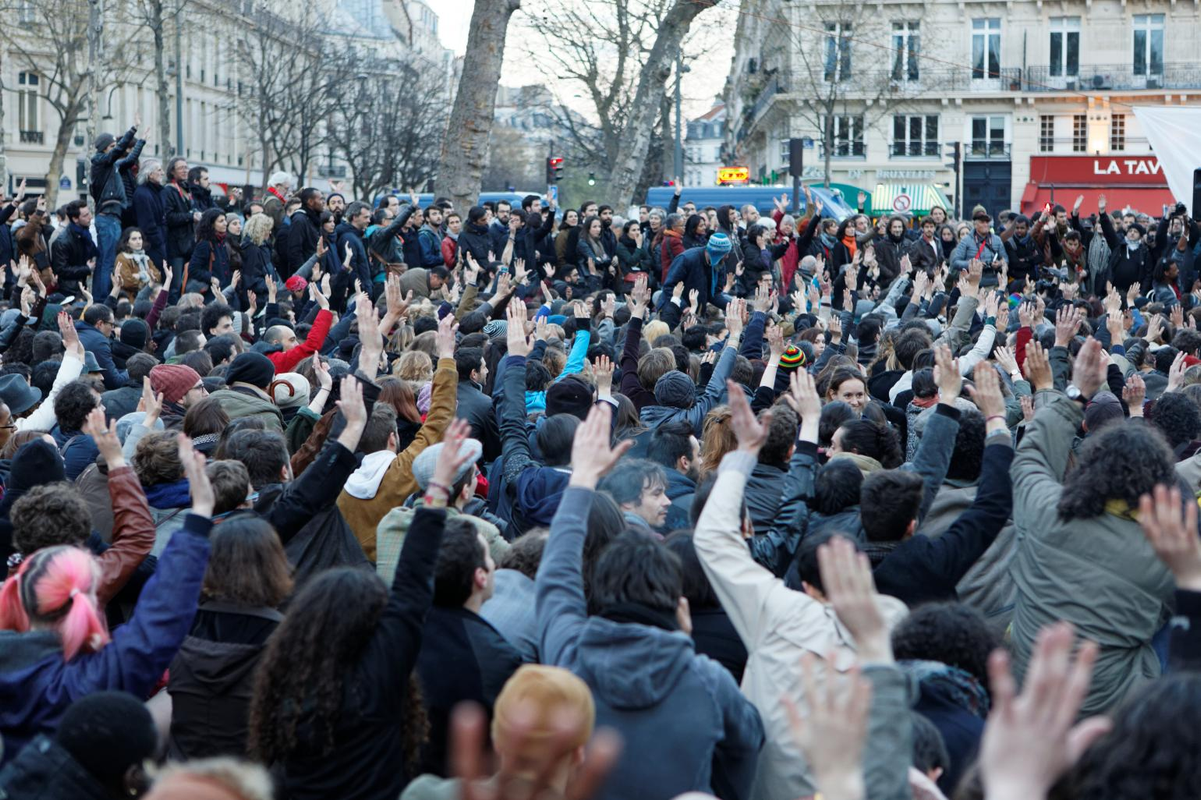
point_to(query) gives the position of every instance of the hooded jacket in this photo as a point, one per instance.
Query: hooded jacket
(106, 186)
(653, 416)
(364, 506)
(212, 680)
(239, 401)
(37, 684)
(685, 724)
(46, 771)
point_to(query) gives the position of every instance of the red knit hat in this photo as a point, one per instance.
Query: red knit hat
(296, 284)
(173, 381)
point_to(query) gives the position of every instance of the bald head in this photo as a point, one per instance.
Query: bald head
(281, 335)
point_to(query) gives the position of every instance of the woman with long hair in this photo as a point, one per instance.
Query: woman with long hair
(568, 230)
(256, 254)
(695, 232)
(211, 256)
(134, 266)
(591, 259)
(54, 645)
(397, 393)
(333, 707)
(212, 677)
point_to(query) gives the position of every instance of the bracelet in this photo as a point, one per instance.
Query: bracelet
(991, 417)
(435, 485)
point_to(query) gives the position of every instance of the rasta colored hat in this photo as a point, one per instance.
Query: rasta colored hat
(173, 381)
(296, 284)
(793, 357)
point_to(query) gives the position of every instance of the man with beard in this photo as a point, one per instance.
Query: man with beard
(474, 240)
(336, 203)
(674, 447)
(608, 238)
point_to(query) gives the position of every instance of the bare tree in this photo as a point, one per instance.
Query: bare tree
(465, 145)
(56, 49)
(845, 61)
(153, 16)
(384, 123)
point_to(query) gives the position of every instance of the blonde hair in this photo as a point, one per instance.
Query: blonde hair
(414, 366)
(241, 779)
(257, 228)
(540, 696)
(653, 330)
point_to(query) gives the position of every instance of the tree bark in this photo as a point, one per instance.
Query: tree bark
(652, 86)
(160, 75)
(465, 146)
(95, 55)
(66, 131)
(3, 147)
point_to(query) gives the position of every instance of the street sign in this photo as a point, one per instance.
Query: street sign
(902, 203)
(733, 174)
(64, 182)
(808, 143)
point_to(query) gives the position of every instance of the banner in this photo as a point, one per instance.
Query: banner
(1175, 136)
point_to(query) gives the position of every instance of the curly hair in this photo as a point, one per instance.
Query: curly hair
(73, 404)
(950, 633)
(1151, 748)
(258, 228)
(301, 674)
(48, 515)
(1123, 462)
(1177, 417)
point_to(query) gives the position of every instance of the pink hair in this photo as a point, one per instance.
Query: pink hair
(62, 578)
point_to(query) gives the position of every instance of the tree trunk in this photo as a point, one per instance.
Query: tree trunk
(65, 133)
(95, 50)
(652, 86)
(465, 146)
(828, 142)
(160, 76)
(3, 148)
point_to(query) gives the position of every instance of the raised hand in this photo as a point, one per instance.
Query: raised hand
(751, 433)
(445, 337)
(847, 581)
(602, 371)
(150, 403)
(833, 733)
(1176, 372)
(66, 329)
(105, 437)
(987, 395)
(1037, 367)
(321, 370)
(775, 340)
(1030, 740)
(203, 497)
(591, 453)
(1005, 358)
(1172, 532)
(734, 312)
(1135, 394)
(519, 345)
(1027, 402)
(947, 376)
(1088, 371)
(451, 458)
(1067, 322)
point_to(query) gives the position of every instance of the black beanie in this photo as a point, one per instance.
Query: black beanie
(135, 332)
(253, 368)
(569, 396)
(107, 733)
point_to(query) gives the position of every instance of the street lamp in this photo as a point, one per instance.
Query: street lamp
(679, 155)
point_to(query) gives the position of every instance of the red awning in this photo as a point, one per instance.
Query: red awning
(1144, 199)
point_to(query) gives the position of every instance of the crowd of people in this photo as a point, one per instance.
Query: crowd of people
(307, 496)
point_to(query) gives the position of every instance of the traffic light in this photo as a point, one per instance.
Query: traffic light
(592, 179)
(554, 169)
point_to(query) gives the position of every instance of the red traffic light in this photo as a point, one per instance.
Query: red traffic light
(555, 162)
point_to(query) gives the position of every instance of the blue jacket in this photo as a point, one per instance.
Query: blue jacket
(210, 261)
(99, 345)
(685, 724)
(151, 214)
(694, 270)
(37, 685)
(431, 247)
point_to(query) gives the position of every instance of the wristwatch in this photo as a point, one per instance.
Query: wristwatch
(1073, 392)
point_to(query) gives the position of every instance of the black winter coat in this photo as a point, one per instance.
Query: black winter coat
(69, 259)
(181, 227)
(44, 770)
(301, 242)
(151, 214)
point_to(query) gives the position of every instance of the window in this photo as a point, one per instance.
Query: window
(838, 51)
(1148, 44)
(28, 107)
(1065, 46)
(1117, 132)
(1046, 134)
(25, 12)
(915, 135)
(907, 48)
(847, 137)
(1079, 133)
(986, 48)
(988, 137)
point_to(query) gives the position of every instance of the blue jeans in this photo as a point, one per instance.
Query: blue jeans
(108, 233)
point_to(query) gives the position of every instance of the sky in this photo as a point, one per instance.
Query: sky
(698, 91)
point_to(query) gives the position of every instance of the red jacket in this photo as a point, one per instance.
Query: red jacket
(286, 360)
(671, 246)
(450, 249)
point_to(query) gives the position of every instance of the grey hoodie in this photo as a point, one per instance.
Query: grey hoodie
(684, 722)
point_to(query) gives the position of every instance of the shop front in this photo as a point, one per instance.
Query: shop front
(1134, 182)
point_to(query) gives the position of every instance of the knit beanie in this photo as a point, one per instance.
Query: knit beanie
(1104, 408)
(135, 333)
(290, 390)
(103, 141)
(793, 357)
(569, 396)
(497, 330)
(676, 390)
(252, 368)
(173, 381)
(719, 245)
(427, 460)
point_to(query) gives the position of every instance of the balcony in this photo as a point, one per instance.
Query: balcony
(33, 137)
(981, 150)
(845, 149)
(915, 149)
(1114, 77)
(773, 88)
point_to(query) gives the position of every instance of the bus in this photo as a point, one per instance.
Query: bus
(760, 197)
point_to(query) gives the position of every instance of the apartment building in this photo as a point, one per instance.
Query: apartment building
(1038, 95)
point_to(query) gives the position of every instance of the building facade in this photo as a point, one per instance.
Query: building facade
(216, 114)
(703, 147)
(1039, 96)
